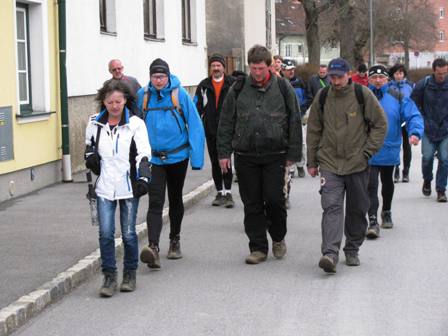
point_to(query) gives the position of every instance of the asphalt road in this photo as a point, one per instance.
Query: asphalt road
(401, 287)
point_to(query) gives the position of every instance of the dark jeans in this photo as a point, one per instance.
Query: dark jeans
(217, 174)
(261, 180)
(106, 216)
(333, 189)
(387, 188)
(173, 177)
(429, 148)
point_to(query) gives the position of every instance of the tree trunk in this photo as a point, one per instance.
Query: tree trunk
(312, 31)
(347, 31)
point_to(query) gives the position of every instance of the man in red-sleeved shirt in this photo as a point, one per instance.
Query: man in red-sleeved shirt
(209, 97)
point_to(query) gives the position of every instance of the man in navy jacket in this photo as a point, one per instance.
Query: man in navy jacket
(431, 96)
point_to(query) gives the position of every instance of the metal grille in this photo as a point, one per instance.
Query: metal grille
(6, 145)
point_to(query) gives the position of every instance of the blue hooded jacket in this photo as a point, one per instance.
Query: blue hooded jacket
(301, 90)
(405, 87)
(397, 112)
(432, 100)
(166, 128)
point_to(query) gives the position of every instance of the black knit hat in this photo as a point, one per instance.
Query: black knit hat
(159, 66)
(217, 58)
(378, 70)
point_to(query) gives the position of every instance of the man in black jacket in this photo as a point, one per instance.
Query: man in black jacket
(209, 97)
(260, 123)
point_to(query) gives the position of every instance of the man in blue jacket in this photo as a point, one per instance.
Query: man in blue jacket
(176, 136)
(398, 109)
(431, 96)
(301, 90)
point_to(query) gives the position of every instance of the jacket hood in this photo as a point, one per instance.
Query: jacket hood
(103, 116)
(173, 83)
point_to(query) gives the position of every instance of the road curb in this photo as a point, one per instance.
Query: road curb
(19, 312)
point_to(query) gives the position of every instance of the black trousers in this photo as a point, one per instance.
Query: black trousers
(173, 177)
(217, 174)
(387, 188)
(407, 151)
(261, 181)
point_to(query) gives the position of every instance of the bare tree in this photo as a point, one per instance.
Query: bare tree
(408, 24)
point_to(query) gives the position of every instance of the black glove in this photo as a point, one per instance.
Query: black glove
(141, 188)
(93, 160)
(144, 169)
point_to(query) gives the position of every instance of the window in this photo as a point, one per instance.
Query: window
(32, 59)
(150, 18)
(300, 48)
(442, 35)
(442, 12)
(107, 16)
(186, 21)
(23, 56)
(288, 50)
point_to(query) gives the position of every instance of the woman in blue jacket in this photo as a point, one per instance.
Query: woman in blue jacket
(399, 83)
(398, 109)
(176, 136)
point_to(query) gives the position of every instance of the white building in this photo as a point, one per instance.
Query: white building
(136, 32)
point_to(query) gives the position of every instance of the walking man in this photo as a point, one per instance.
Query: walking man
(116, 70)
(317, 82)
(209, 97)
(260, 123)
(431, 96)
(346, 127)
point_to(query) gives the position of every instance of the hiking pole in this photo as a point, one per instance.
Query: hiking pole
(91, 196)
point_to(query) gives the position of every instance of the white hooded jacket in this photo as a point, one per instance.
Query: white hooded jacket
(118, 148)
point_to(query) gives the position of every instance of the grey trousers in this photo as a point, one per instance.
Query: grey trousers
(333, 189)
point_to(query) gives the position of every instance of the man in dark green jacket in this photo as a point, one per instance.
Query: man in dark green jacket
(260, 123)
(341, 137)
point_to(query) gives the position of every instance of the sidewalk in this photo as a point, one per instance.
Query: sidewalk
(48, 231)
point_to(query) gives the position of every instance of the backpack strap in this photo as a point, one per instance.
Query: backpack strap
(360, 97)
(323, 98)
(282, 86)
(176, 104)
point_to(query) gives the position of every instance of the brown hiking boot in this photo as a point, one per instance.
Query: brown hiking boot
(327, 263)
(441, 197)
(228, 201)
(256, 257)
(279, 249)
(150, 256)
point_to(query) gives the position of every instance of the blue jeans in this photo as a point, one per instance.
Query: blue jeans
(428, 150)
(128, 216)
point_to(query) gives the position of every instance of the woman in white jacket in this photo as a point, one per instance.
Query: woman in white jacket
(116, 144)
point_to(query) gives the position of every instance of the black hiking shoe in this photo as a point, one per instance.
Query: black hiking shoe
(219, 199)
(228, 201)
(109, 286)
(405, 177)
(386, 218)
(426, 189)
(300, 172)
(373, 231)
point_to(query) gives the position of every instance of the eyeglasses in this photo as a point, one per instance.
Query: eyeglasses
(117, 69)
(158, 77)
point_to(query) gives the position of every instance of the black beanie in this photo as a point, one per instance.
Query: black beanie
(217, 58)
(159, 66)
(378, 70)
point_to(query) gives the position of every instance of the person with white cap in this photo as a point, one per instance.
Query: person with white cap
(398, 108)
